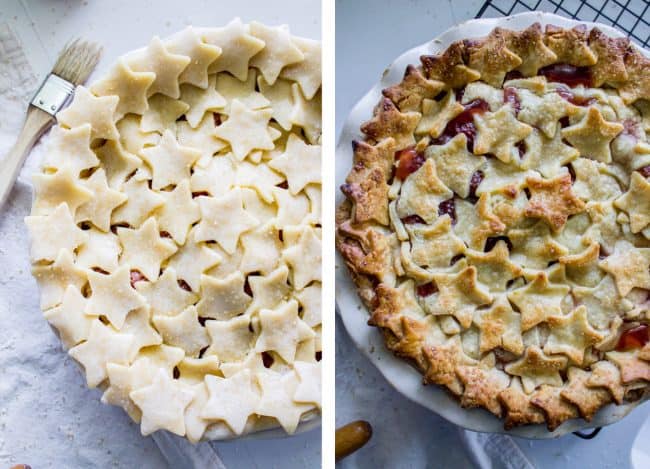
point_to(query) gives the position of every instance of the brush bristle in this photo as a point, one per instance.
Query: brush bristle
(77, 60)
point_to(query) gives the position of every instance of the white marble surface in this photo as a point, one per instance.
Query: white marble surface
(48, 418)
(370, 34)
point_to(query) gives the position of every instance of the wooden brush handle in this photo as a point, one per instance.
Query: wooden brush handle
(351, 437)
(36, 123)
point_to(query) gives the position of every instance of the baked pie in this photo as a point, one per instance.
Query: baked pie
(175, 231)
(497, 222)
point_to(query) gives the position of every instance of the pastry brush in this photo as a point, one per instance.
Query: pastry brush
(74, 64)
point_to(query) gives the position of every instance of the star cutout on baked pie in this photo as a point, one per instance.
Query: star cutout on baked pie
(455, 164)
(533, 247)
(433, 246)
(592, 135)
(500, 326)
(414, 87)
(458, 295)
(223, 298)
(368, 157)
(165, 295)
(307, 72)
(70, 147)
(231, 400)
(543, 112)
(282, 330)
(450, 67)
(141, 202)
(548, 156)
(631, 367)
(304, 257)
(629, 267)
(482, 384)
(606, 375)
(610, 67)
(637, 87)
(529, 46)
(166, 66)
(170, 162)
(538, 300)
(104, 200)
(86, 108)
(246, 130)
(201, 101)
(602, 301)
(104, 345)
(571, 334)
(230, 340)
(536, 368)
(117, 162)
(556, 409)
(69, 318)
(113, 296)
(163, 404)
(279, 50)
(494, 267)
(131, 88)
(491, 58)
(192, 260)
(480, 223)
(183, 330)
(442, 361)
(517, 406)
(224, 219)
(53, 279)
(277, 399)
(188, 43)
(422, 192)
(552, 200)
(300, 163)
(179, 212)
(51, 233)
(144, 249)
(388, 121)
(51, 190)
(498, 132)
(587, 399)
(636, 202)
(570, 45)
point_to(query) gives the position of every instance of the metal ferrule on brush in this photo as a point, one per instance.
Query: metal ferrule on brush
(53, 94)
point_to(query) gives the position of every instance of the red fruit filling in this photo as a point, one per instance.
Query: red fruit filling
(463, 123)
(426, 289)
(633, 338)
(570, 75)
(409, 162)
(448, 207)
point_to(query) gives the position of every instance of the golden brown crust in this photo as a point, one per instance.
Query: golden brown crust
(450, 67)
(571, 46)
(415, 87)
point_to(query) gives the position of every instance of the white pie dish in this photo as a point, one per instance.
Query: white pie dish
(402, 376)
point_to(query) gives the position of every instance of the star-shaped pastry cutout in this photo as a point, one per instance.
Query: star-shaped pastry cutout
(605, 374)
(476, 223)
(310, 301)
(125, 378)
(390, 122)
(165, 295)
(163, 404)
(582, 267)
(183, 330)
(309, 383)
(202, 138)
(179, 212)
(138, 324)
(637, 87)
(194, 369)
(494, 267)
(450, 67)
(592, 135)
(51, 233)
(245, 91)
(277, 399)
(292, 209)
(459, 295)
(281, 97)
(171, 162)
(437, 114)
(533, 247)
(192, 259)
(300, 163)
(603, 302)
(113, 296)
(144, 249)
(195, 425)
(279, 50)
(237, 48)
(367, 189)
(232, 399)
(455, 164)
(222, 298)
(543, 112)
(53, 279)
(117, 162)
(367, 157)
(131, 87)
(482, 385)
(307, 114)
(594, 180)
(224, 219)
(552, 200)
(433, 246)
(498, 132)
(258, 177)
(587, 399)
(86, 108)
(70, 147)
(201, 101)
(538, 300)
(571, 335)
(69, 318)
(261, 249)
(570, 45)
(422, 192)
(536, 368)
(307, 72)
(269, 290)
(282, 330)
(442, 361)
(246, 130)
(529, 46)
(216, 178)
(610, 67)
(140, 203)
(162, 114)
(629, 267)
(517, 405)
(167, 67)
(104, 200)
(492, 58)
(414, 87)
(555, 407)
(636, 202)
(188, 43)
(548, 156)
(51, 190)
(631, 367)
(500, 326)
(230, 340)
(304, 257)
(104, 345)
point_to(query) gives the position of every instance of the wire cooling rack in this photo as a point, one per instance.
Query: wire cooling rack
(630, 16)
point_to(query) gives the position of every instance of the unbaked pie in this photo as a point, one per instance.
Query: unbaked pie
(175, 231)
(497, 222)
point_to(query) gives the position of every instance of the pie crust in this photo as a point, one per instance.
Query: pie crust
(496, 224)
(175, 231)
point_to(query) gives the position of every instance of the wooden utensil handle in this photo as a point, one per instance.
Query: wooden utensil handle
(36, 123)
(351, 437)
